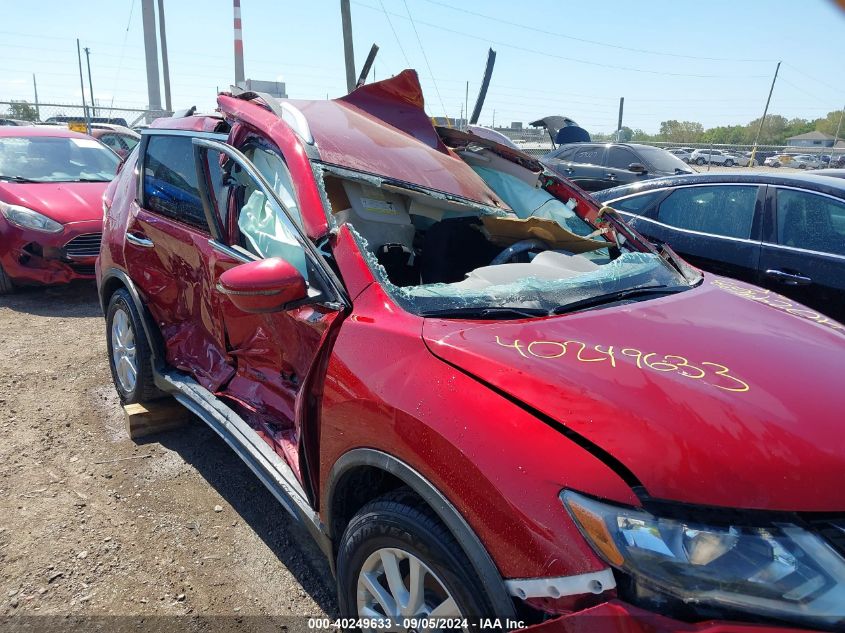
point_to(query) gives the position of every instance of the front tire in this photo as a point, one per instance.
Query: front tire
(397, 560)
(700, 161)
(729, 163)
(6, 286)
(130, 359)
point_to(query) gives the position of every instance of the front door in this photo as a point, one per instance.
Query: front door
(714, 227)
(803, 254)
(276, 354)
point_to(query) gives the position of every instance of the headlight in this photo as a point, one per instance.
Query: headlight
(780, 571)
(29, 219)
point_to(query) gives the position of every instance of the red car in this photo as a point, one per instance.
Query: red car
(51, 211)
(483, 395)
(118, 138)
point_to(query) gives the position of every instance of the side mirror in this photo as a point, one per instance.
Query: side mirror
(637, 168)
(267, 285)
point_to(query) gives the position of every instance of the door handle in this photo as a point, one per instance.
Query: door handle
(137, 240)
(610, 176)
(790, 279)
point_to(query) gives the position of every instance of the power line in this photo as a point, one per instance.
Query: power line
(122, 52)
(525, 49)
(419, 41)
(586, 41)
(398, 41)
(824, 83)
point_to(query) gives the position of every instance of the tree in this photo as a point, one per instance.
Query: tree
(23, 111)
(625, 134)
(829, 123)
(681, 131)
(773, 132)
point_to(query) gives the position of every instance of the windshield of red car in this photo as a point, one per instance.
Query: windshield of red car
(56, 159)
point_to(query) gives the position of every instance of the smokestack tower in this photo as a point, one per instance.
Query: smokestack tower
(239, 46)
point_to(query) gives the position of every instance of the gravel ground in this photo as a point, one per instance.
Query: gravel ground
(94, 524)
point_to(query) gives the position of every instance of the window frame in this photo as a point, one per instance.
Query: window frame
(140, 194)
(331, 291)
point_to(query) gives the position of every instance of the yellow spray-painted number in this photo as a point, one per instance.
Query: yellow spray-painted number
(549, 350)
(769, 298)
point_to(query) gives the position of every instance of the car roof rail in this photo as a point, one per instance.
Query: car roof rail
(286, 111)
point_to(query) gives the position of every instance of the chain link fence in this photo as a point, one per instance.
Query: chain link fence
(29, 113)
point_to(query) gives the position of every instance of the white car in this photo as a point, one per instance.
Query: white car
(713, 156)
(806, 161)
(683, 154)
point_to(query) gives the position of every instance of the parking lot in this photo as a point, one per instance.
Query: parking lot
(93, 523)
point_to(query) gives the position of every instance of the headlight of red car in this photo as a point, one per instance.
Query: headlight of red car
(29, 219)
(780, 571)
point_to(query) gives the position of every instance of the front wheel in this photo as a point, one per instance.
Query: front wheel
(700, 161)
(729, 163)
(396, 560)
(6, 286)
(130, 359)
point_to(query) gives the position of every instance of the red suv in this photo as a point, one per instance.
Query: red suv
(481, 393)
(51, 211)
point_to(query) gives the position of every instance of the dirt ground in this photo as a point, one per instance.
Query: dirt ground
(93, 524)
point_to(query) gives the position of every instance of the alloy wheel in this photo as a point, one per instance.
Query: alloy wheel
(396, 584)
(124, 353)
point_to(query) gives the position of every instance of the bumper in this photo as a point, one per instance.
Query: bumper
(34, 257)
(618, 617)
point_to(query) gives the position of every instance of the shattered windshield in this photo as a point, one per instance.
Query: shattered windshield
(438, 259)
(56, 159)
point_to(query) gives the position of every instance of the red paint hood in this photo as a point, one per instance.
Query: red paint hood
(779, 445)
(61, 201)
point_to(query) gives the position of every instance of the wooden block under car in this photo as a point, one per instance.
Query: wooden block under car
(155, 417)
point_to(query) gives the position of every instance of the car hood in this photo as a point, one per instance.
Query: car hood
(722, 395)
(61, 201)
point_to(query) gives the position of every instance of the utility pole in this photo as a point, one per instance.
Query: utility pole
(151, 54)
(494, 118)
(619, 124)
(38, 111)
(835, 136)
(239, 46)
(466, 106)
(165, 65)
(348, 47)
(82, 88)
(763, 120)
(90, 85)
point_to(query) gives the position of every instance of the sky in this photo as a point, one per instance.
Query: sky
(710, 61)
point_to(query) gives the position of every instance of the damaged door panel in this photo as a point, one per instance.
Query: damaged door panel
(273, 353)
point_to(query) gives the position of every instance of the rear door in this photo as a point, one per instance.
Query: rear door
(803, 252)
(617, 161)
(714, 227)
(168, 256)
(276, 354)
(582, 164)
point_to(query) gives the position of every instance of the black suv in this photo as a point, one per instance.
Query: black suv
(596, 166)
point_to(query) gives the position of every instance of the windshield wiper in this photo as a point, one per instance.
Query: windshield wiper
(619, 295)
(487, 312)
(90, 180)
(18, 179)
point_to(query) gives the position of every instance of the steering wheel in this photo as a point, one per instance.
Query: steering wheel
(521, 246)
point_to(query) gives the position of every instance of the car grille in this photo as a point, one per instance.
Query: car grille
(87, 245)
(83, 269)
